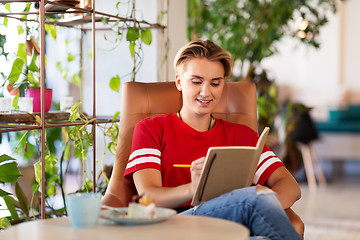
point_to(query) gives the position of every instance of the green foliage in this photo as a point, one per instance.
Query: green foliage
(114, 83)
(4, 223)
(146, 36)
(9, 173)
(132, 34)
(2, 43)
(52, 178)
(81, 137)
(8, 169)
(250, 29)
(267, 100)
(136, 35)
(51, 29)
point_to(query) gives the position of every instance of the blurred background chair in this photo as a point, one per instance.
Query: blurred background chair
(304, 135)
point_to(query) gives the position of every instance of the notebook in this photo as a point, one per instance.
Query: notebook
(228, 168)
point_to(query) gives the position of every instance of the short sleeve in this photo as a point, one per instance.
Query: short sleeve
(268, 163)
(145, 150)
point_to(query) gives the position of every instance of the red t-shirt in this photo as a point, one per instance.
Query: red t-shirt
(160, 142)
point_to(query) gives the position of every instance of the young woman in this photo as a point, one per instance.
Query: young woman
(184, 137)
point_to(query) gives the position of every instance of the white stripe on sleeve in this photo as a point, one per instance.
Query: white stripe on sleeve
(144, 151)
(265, 165)
(141, 160)
(265, 155)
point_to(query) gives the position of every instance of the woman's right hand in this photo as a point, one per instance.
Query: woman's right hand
(196, 168)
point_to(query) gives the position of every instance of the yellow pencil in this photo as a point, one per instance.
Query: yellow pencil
(182, 165)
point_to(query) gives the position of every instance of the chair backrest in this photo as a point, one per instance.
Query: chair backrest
(142, 100)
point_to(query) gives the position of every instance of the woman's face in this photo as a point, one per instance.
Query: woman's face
(201, 82)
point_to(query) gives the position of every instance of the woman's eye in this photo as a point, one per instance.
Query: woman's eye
(215, 84)
(196, 82)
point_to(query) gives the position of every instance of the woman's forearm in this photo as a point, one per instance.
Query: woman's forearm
(169, 197)
(287, 194)
(149, 181)
(286, 187)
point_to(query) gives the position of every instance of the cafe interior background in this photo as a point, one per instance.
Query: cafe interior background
(325, 79)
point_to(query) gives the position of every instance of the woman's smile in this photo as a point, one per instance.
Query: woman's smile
(204, 102)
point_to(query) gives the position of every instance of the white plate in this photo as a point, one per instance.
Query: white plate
(119, 215)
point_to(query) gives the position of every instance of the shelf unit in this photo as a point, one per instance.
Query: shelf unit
(58, 119)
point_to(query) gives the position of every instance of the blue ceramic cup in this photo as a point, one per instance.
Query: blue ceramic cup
(83, 209)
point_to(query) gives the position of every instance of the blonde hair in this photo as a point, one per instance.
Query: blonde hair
(203, 49)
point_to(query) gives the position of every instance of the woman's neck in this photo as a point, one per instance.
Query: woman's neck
(200, 123)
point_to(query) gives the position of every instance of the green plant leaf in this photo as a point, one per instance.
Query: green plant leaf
(21, 52)
(23, 201)
(132, 34)
(64, 73)
(146, 36)
(51, 191)
(6, 21)
(15, 101)
(132, 49)
(33, 67)
(76, 78)
(4, 223)
(114, 83)
(51, 29)
(115, 115)
(104, 20)
(32, 80)
(20, 30)
(112, 147)
(74, 115)
(7, 7)
(5, 157)
(37, 167)
(9, 172)
(70, 57)
(67, 151)
(58, 66)
(27, 7)
(4, 193)
(16, 70)
(10, 205)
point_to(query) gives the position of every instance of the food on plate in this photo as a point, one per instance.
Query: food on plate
(143, 207)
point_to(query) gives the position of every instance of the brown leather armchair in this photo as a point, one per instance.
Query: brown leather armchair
(142, 100)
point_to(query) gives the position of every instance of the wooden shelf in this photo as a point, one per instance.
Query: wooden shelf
(29, 118)
(76, 20)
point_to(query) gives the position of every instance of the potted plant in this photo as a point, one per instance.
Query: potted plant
(24, 78)
(24, 75)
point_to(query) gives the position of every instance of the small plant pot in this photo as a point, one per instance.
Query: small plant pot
(35, 93)
(5, 105)
(25, 104)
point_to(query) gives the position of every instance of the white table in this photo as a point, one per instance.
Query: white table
(182, 227)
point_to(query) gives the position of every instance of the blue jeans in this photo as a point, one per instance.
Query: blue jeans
(261, 212)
